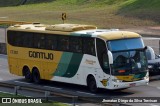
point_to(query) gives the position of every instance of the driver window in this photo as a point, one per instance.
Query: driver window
(102, 55)
(105, 61)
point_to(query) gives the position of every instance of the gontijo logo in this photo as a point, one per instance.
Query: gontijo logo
(41, 55)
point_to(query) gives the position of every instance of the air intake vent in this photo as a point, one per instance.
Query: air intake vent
(70, 27)
(35, 23)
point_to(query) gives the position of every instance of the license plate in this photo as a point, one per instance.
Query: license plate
(133, 84)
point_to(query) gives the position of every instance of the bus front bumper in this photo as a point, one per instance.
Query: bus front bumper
(121, 85)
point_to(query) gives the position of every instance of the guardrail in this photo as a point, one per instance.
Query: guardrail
(48, 94)
(53, 94)
(3, 48)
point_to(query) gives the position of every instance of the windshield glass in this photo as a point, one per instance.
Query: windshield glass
(128, 56)
(125, 44)
(129, 62)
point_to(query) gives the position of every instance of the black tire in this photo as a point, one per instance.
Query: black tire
(36, 76)
(91, 83)
(27, 74)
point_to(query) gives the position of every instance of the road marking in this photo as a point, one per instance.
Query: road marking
(22, 82)
(85, 93)
(52, 87)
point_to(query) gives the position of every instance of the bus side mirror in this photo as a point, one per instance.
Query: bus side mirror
(150, 53)
(110, 57)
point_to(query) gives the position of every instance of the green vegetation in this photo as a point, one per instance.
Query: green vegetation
(142, 9)
(4, 3)
(103, 13)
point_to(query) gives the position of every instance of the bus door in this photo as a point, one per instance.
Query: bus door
(103, 60)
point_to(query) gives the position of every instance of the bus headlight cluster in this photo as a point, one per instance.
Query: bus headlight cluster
(150, 66)
(116, 80)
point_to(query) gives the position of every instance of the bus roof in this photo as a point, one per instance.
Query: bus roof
(75, 30)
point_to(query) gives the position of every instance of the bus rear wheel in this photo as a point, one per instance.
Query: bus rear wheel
(27, 74)
(91, 83)
(36, 76)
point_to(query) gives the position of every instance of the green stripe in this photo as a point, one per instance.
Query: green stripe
(73, 65)
(63, 64)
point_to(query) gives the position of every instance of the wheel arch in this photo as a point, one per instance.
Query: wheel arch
(89, 76)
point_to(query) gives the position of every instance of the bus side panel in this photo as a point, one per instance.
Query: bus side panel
(20, 67)
(13, 65)
(89, 65)
(50, 67)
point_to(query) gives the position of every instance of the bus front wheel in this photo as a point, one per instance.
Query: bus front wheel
(36, 76)
(91, 83)
(27, 74)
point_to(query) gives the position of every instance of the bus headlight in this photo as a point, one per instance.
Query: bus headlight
(116, 80)
(150, 66)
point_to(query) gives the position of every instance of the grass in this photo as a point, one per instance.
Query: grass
(102, 13)
(6, 95)
(142, 9)
(4, 3)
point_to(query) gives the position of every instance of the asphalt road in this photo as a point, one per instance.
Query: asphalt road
(151, 90)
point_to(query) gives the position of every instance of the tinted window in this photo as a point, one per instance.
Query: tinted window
(27, 39)
(89, 46)
(76, 44)
(51, 43)
(63, 43)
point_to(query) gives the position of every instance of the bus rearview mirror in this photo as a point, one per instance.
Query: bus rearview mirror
(110, 57)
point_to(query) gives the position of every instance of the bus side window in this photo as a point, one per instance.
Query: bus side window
(35, 40)
(39, 41)
(18, 39)
(63, 43)
(27, 40)
(89, 46)
(102, 55)
(11, 37)
(51, 42)
(42, 42)
(75, 44)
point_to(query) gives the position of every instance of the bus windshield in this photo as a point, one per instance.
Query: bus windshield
(125, 44)
(128, 56)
